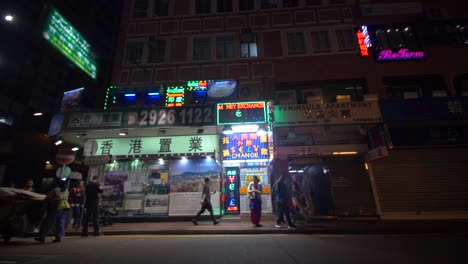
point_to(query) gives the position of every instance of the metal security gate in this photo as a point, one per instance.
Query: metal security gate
(351, 186)
(422, 182)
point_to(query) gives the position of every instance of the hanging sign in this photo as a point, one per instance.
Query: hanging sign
(242, 113)
(232, 190)
(245, 146)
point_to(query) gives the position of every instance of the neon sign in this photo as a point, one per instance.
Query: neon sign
(364, 40)
(245, 146)
(175, 96)
(242, 113)
(232, 190)
(402, 54)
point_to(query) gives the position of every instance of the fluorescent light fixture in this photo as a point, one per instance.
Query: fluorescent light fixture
(9, 18)
(345, 153)
(153, 94)
(47, 162)
(123, 133)
(241, 161)
(58, 142)
(244, 128)
(75, 149)
(227, 130)
(37, 114)
(130, 95)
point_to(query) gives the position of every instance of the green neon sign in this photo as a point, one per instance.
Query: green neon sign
(68, 41)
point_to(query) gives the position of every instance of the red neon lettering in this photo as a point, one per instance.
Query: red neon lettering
(232, 178)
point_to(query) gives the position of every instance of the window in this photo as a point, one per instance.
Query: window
(224, 47)
(313, 2)
(161, 8)
(157, 50)
(296, 43)
(224, 6)
(346, 39)
(134, 52)
(320, 41)
(267, 4)
(413, 86)
(290, 3)
(140, 8)
(245, 5)
(201, 49)
(203, 6)
(396, 38)
(248, 44)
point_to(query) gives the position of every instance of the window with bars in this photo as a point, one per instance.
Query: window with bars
(140, 8)
(224, 47)
(224, 6)
(161, 8)
(134, 52)
(203, 6)
(346, 39)
(245, 5)
(296, 43)
(267, 4)
(201, 48)
(157, 50)
(248, 45)
(321, 41)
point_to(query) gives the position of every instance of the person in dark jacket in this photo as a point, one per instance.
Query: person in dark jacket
(92, 191)
(76, 201)
(280, 191)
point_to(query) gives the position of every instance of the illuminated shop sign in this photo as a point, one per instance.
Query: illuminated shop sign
(185, 145)
(245, 146)
(66, 39)
(213, 89)
(399, 55)
(232, 190)
(242, 113)
(175, 96)
(181, 116)
(364, 40)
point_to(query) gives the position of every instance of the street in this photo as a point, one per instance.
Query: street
(265, 248)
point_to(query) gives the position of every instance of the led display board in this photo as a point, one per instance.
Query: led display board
(232, 190)
(245, 146)
(242, 113)
(68, 41)
(175, 96)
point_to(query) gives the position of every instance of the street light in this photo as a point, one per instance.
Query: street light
(9, 18)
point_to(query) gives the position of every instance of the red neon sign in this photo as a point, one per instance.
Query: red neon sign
(362, 43)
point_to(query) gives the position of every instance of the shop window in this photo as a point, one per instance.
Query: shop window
(460, 83)
(248, 45)
(268, 4)
(161, 8)
(346, 39)
(296, 43)
(134, 52)
(224, 6)
(396, 38)
(458, 34)
(328, 92)
(224, 47)
(140, 8)
(413, 87)
(321, 41)
(313, 2)
(286, 97)
(245, 5)
(201, 48)
(203, 6)
(290, 3)
(157, 50)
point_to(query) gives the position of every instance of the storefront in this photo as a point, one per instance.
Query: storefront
(420, 172)
(326, 143)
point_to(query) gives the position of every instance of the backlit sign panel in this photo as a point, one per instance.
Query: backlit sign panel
(68, 41)
(242, 113)
(232, 190)
(364, 40)
(245, 146)
(175, 96)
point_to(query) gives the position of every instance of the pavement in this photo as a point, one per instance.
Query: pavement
(242, 225)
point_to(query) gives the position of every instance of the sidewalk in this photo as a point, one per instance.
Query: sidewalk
(319, 226)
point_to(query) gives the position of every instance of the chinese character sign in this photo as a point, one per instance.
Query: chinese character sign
(232, 190)
(244, 146)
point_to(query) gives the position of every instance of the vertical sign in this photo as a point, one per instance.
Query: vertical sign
(364, 40)
(232, 190)
(175, 96)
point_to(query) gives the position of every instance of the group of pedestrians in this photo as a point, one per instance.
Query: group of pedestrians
(58, 203)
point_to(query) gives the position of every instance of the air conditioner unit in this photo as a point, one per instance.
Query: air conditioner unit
(439, 93)
(410, 95)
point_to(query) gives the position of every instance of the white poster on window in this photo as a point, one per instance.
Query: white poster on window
(156, 204)
(188, 203)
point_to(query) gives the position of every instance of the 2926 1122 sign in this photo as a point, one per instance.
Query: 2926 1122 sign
(183, 116)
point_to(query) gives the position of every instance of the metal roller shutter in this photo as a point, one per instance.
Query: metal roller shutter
(351, 187)
(423, 180)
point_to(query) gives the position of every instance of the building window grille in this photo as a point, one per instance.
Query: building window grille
(203, 6)
(224, 47)
(134, 52)
(321, 41)
(296, 43)
(140, 8)
(201, 49)
(157, 50)
(161, 8)
(346, 39)
(248, 45)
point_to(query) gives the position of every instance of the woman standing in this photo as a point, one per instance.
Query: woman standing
(76, 202)
(254, 192)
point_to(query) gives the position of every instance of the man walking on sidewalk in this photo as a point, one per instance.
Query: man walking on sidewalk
(282, 197)
(92, 191)
(206, 203)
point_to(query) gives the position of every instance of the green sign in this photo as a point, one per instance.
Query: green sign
(65, 38)
(242, 113)
(185, 145)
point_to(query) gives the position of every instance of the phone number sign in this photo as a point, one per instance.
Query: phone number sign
(184, 116)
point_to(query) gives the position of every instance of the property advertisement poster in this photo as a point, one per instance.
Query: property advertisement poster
(156, 204)
(187, 175)
(113, 189)
(188, 203)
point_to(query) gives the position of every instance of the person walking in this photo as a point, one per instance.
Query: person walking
(255, 191)
(57, 212)
(282, 207)
(308, 192)
(92, 191)
(76, 202)
(206, 203)
(298, 199)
